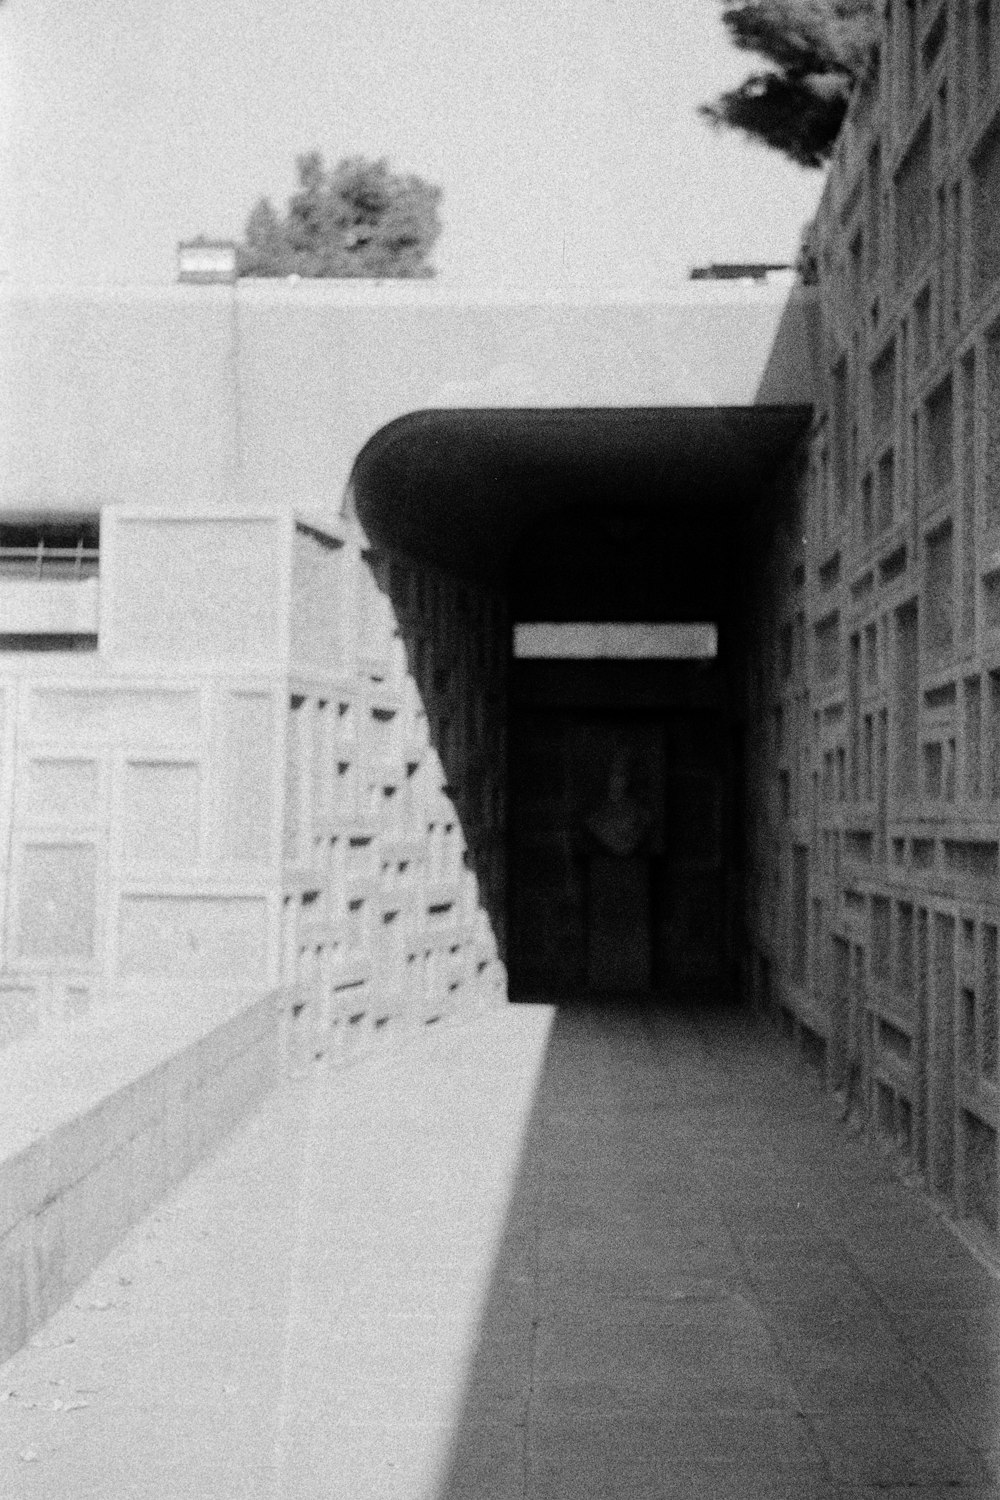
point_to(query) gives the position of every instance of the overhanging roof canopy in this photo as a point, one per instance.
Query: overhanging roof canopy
(460, 488)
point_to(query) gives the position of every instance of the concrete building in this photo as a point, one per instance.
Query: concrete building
(272, 772)
(872, 684)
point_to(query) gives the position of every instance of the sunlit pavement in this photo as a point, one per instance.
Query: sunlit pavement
(605, 1255)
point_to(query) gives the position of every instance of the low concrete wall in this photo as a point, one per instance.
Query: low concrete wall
(99, 1124)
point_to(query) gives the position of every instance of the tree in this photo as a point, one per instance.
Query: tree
(357, 219)
(818, 50)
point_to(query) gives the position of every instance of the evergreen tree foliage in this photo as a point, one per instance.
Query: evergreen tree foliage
(817, 50)
(356, 219)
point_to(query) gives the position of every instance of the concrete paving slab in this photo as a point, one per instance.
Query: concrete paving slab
(654, 1455)
(877, 1445)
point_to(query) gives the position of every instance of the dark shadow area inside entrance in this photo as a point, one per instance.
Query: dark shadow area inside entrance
(647, 916)
(627, 517)
(624, 773)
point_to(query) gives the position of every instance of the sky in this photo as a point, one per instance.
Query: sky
(564, 135)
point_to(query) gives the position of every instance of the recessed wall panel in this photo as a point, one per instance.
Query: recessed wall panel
(222, 939)
(122, 714)
(159, 813)
(61, 790)
(56, 901)
(19, 1010)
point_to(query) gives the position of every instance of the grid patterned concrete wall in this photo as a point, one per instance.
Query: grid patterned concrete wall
(873, 685)
(253, 783)
(393, 857)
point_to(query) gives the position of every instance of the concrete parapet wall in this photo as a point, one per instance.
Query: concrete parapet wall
(98, 1124)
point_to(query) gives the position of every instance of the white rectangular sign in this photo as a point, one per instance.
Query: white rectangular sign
(615, 641)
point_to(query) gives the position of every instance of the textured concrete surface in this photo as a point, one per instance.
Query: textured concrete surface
(97, 1124)
(599, 1256)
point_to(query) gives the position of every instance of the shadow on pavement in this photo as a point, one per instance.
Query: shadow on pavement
(707, 1287)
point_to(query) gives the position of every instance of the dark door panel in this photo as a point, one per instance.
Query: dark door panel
(669, 900)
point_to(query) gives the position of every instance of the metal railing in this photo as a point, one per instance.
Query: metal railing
(53, 564)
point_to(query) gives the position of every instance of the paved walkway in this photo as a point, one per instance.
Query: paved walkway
(579, 1259)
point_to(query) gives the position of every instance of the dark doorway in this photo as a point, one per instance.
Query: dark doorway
(649, 917)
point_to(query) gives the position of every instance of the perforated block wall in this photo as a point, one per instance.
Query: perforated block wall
(873, 635)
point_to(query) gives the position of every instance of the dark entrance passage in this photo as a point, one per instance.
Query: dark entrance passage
(642, 908)
(631, 517)
(623, 880)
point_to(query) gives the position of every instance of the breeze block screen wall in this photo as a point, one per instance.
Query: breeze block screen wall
(873, 640)
(241, 787)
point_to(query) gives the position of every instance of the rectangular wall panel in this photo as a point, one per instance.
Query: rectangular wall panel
(246, 778)
(56, 901)
(63, 790)
(127, 714)
(199, 938)
(160, 812)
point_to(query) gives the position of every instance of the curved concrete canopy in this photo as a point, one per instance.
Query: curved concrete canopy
(462, 488)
